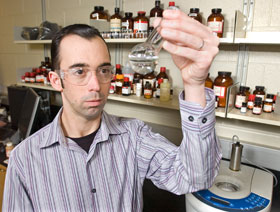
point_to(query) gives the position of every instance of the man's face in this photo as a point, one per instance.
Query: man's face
(86, 101)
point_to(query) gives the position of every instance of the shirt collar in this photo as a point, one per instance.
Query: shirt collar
(109, 125)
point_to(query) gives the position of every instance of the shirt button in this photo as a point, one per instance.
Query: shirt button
(191, 118)
(93, 190)
(204, 120)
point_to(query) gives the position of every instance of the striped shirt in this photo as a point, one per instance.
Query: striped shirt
(49, 172)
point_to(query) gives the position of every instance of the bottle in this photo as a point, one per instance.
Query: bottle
(116, 21)
(235, 158)
(118, 69)
(119, 83)
(141, 22)
(194, 13)
(154, 13)
(208, 82)
(221, 83)
(161, 75)
(128, 72)
(48, 64)
(32, 77)
(247, 92)
(126, 88)
(268, 103)
(216, 22)
(257, 110)
(243, 108)
(9, 148)
(22, 78)
(240, 97)
(27, 77)
(127, 22)
(148, 92)
(251, 100)
(165, 90)
(259, 92)
(138, 89)
(151, 78)
(99, 14)
(158, 87)
(274, 101)
(216, 102)
(277, 104)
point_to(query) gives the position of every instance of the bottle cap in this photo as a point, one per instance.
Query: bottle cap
(27, 74)
(118, 66)
(216, 10)
(251, 97)
(259, 87)
(269, 96)
(242, 88)
(126, 79)
(100, 8)
(157, 3)
(162, 69)
(247, 88)
(128, 14)
(274, 98)
(22, 77)
(171, 3)
(224, 73)
(258, 100)
(244, 104)
(194, 10)
(117, 10)
(141, 12)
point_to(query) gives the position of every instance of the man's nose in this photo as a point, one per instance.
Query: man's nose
(93, 83)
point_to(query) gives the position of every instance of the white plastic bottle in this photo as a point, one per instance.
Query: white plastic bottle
(165, 90)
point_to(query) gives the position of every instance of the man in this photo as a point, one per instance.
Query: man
(88, 160)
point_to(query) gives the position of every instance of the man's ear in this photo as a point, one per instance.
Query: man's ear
(55, 81)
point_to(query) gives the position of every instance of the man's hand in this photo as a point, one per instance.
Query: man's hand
(193, 48)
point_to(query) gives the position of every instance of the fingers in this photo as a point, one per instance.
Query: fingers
(179, 21)
(202, 57)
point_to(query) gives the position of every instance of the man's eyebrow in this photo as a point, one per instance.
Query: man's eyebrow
(79, 65)
(104, 64)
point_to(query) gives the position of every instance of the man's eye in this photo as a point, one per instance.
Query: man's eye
(79, 71)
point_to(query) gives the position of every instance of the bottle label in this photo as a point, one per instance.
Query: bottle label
(95, 16)
(257, 110)
(119, 84)
(250, 105)
(216, 26)
(267, 108)
(148, 92)
(125, 25)
(239, 100)
(140, 26)
(115, 25)
(152, 19)
(126, 90)
(192, 14)
(220, 91)
(260, 96)
(243, 110)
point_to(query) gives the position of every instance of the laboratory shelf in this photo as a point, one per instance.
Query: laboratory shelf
(36, 85)
(264, 118)
(33, 41)
(259, 38)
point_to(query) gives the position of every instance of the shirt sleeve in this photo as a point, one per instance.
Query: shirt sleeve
(194, 164)
(15, 197)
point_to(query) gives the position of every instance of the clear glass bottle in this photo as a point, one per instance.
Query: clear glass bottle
(194, 13)
(216, 22)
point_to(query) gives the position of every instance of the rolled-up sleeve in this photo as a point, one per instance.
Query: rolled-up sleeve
(195, 163)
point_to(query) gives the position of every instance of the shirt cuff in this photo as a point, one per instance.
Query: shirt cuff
(196, 118)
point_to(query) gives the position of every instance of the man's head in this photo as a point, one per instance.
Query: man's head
(81, 59)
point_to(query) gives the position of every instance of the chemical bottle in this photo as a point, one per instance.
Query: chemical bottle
(126, 88)
(165, 90)
(116, 21)
(155, 13)
(148, 91)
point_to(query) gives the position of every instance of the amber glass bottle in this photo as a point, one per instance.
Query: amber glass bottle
(99, 14)
(141, 22)
(154, 13)
(127, 22)
(216, 22)
(194, 13)
(208, 82)
(221, 83)
(151, 78)
(116, 21)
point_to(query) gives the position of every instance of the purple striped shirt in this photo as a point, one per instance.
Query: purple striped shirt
(49, 172)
